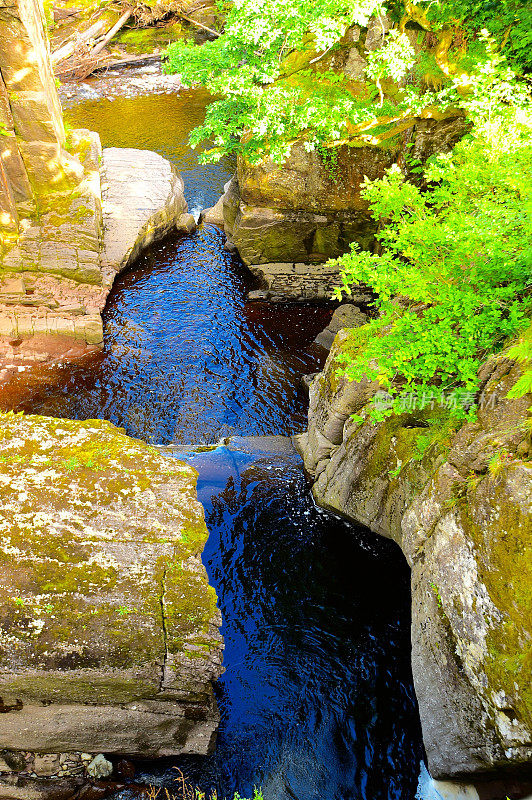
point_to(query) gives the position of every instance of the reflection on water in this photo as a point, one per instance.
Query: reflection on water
(186, 359)
(161, 123)
(317, 700)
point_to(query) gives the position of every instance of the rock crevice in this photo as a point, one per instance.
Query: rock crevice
(458, 500)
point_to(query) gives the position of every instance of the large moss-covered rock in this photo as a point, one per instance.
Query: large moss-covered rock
(458, 500)
(109, 634)
(311, 207)
(307, 210)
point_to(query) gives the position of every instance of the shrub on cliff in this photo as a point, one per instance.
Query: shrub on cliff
(272, 68)
(457, 253)
(457, 250)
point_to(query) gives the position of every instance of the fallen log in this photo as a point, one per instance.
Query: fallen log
(78, 59)
(67, 49)
(112, 32)
(82, 68)
(126, 63)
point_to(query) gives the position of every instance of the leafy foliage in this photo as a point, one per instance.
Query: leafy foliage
(265, 68)
(453, 279)
(271, 68)
(508, 22)
(522, 352)
(392, 60)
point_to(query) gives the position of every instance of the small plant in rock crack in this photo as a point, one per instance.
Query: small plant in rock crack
(186, 791)
(437, 593)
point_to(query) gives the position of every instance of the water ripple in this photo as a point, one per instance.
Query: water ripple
(186, 359)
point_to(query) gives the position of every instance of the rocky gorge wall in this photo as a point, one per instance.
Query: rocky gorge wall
(310, 208)
(71, 216)
(458, 500)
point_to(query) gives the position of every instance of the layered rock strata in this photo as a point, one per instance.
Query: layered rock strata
(299, 283)
(59, 252)
(109, 630)
(458, 500)
(55, 281)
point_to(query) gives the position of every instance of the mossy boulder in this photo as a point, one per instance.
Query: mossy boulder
(107, 620)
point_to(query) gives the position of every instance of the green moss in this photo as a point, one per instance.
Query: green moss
(145, 40)
(60, 688)
(505, 560)
(99, 542)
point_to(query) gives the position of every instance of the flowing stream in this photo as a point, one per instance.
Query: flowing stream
(317, 698)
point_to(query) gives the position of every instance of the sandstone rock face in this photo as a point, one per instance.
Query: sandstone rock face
(51, 222)
(306, 211)
(57, 262)
(54, 282)
(143, 200)
(300, 212)
(32, 152)
(458, 500)
(109, 630)
(51, 289)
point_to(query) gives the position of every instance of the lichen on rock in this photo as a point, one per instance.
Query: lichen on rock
(457, 498)
(108, 626)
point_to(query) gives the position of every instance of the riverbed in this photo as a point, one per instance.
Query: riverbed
(317, 699)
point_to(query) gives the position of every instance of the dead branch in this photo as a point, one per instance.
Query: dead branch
(66, 50)
(198, 24)
(112, 32)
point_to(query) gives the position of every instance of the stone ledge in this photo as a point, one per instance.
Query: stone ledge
(298, 282)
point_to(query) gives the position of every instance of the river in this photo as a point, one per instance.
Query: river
(317, 699)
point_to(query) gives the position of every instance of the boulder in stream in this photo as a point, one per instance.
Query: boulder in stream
(143, 200)
(109, 629)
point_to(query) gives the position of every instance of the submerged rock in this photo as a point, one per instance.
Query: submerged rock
(458, 500)
(109, 630)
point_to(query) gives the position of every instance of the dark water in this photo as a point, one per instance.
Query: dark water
(317, 700)
(186, 359)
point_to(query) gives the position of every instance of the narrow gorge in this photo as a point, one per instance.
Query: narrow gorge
(225, 557)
